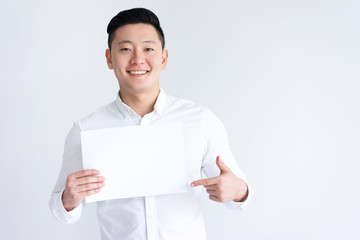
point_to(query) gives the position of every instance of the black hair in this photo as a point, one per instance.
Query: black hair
(133, 16)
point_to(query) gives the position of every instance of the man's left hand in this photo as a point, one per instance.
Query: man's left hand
(225, 187)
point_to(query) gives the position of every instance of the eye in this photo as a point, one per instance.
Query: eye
(125, 49)
(149, 49)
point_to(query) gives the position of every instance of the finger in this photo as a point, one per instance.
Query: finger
(211, 192)
(212, 187)
(87, 187)
(214, 198)
(221, 165)
(90, 192)
(205, 182)
(85, 173)
(87, 180)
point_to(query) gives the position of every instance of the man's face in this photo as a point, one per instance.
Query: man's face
(137, 57)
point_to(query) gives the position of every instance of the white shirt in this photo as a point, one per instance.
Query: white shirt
(172, 216)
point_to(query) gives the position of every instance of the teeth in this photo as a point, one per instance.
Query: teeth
(137, 72)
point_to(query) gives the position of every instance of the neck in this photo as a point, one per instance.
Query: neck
(141, 102)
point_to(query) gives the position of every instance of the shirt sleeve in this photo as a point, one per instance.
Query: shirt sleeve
(217, 145)
(72, 162)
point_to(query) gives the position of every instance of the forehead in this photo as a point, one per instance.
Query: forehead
(136, 32)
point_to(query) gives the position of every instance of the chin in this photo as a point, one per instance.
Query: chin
(141, 87)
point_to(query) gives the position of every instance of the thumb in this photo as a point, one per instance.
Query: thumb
(223, 168)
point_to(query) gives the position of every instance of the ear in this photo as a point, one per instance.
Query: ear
(108, 59)
(164, 59)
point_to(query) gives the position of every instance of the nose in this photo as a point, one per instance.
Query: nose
(137, 57)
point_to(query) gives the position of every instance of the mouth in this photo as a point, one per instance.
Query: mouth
(138, 72)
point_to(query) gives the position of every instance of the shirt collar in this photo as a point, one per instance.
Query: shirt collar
(160, 102)
(125, 110)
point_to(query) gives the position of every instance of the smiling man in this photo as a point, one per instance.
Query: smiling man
(137, 55)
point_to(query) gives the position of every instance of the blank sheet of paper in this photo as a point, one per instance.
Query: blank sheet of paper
(137, 160)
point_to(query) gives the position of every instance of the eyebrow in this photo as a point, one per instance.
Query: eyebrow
(149, 41)
(128, 41)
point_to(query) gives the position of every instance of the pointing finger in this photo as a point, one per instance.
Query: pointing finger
(205, 182)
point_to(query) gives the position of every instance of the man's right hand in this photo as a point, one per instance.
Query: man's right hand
(80, 185)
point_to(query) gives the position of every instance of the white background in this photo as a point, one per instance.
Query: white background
(283, 76)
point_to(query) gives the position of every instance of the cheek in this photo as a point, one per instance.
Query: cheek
(156, 62)
(120, 62)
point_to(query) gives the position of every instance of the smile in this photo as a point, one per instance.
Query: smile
(137, 72)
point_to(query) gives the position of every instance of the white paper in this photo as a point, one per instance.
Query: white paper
(137, 160)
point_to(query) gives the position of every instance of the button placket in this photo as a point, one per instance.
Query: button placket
(151, 218)
(150, 201)
(146, 119)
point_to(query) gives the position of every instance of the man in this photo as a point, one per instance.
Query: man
(137, 55)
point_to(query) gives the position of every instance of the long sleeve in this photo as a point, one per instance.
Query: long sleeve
(217, 145)
(72, 162)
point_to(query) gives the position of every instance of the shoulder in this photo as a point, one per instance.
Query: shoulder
(180, 102)
(188, 107)
(105, 112)
(184, 105)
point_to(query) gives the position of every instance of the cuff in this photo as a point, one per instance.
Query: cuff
(60, 212)
(240, 205)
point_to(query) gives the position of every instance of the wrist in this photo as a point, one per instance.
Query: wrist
(243, 194)
(66, 206)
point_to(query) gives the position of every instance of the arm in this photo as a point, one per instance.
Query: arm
(65, 201)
